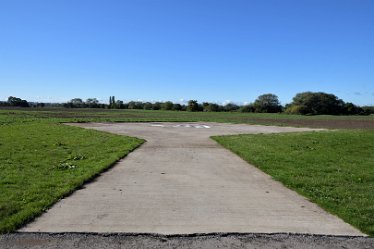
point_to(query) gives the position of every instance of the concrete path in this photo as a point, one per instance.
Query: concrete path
(180, 182)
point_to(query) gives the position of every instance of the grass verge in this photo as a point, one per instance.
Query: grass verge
(334, 169)
(42, 162)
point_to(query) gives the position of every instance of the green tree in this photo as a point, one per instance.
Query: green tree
(92, 103)
(131, 105)
(147, 106)
(206, 106)
(316, 103)
(112, 102)
(247, 108)
(267, 103)
(77, 103)
(168, 105)
(14, 101)
(192, 106)
(368, 110)
(211, 107)
(156, 106)
(230, 107)
(119, 104)
(352, 109)
(177, 107)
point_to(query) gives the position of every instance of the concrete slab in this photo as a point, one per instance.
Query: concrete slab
(181, 182)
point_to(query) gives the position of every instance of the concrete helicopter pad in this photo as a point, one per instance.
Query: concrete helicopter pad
(182, 182)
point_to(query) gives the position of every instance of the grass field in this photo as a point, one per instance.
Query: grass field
(42, 160)
(102, 115)
(333, 169)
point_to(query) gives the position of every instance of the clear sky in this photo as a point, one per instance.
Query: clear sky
(208, 50)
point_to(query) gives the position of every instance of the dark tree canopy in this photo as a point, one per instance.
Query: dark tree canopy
(168, 105)
(92, 103)
(231, 107)
(316, 103)
(305, 103)
(267, 103)
(14, 101)
(211, 107)
(193, 106)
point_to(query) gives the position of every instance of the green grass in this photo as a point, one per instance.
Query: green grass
(102, 115)
(334, 169)
(41, 162)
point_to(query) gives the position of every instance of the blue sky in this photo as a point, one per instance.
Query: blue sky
(209, 50)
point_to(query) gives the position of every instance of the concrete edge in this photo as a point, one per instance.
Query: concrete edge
(189, 235)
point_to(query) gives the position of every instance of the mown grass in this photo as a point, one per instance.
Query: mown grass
(102, 115)
(41, 162)
(334, 169)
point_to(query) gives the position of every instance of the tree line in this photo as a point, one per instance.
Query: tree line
(305, 103)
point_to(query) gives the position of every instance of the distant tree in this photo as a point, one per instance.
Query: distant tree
(247, 108)
(168, 105)
(113, 104)
(177, 107)
(132, 105)
(156, 106)
(125, 105)
(211, 107)
(135, 105)
(119, 104)
(316, 103)
(214, 107)
(14, 101)
(231, 107)
(352, 109)
(92, 103)
(200, 107)
(68, 105)
(147, 106)
(368, 110)
(192, 106)
(77, 103)
(268, 103)
(4, 103)
(205, 106)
